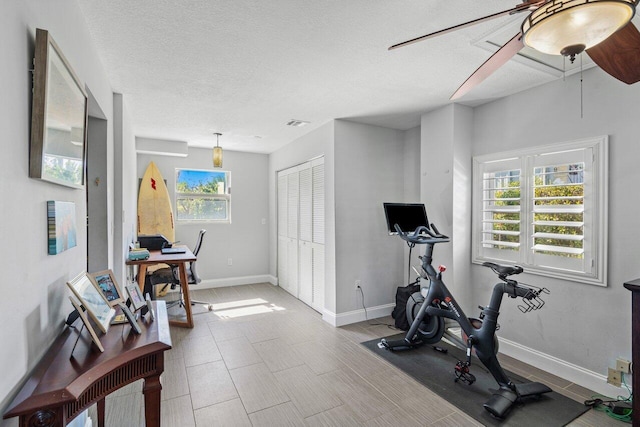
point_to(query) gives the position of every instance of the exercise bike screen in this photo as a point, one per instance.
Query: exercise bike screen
(408, 216)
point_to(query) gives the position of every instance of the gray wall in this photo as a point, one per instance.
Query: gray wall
(581, 324)
(125, 195)
(246, 239)
(34, 301)
(445, 189)
(369, 170)
(364, 166)
(319, 142)
(583, 328)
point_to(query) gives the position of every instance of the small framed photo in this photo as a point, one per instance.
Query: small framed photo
(107, 283)
(137, 300)
(93, 300)
(87, 324)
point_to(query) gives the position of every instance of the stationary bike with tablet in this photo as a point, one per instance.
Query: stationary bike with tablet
(428, 309)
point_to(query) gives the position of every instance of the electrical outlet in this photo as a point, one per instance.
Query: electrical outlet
(614, 377)
(623, 365)
(230, 261)
(358, 284)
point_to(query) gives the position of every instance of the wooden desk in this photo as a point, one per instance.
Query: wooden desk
(63, 385)
(634, 287)
(156, 257)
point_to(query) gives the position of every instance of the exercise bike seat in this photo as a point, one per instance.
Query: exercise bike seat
(503, 270)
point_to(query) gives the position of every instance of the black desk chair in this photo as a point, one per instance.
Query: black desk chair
(170, 276)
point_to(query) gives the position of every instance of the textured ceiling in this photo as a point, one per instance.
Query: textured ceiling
(246, 67)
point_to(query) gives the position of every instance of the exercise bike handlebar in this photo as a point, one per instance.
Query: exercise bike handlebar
(422, 235)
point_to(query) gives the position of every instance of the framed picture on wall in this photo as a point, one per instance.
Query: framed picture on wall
(58, 117)
(61, 226)
(106, 282)
(93, 300)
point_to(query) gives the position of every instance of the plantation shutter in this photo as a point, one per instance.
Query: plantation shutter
(559, 193)
(501, 209)
(544, 208)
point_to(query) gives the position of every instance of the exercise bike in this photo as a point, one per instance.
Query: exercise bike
(428, 309)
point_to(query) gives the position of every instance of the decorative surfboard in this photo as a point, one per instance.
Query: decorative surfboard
(155, 215)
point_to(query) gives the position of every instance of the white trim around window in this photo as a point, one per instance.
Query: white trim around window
(544, 208)
(203, 195)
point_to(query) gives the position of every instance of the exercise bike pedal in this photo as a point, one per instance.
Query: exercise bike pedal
(463, 374)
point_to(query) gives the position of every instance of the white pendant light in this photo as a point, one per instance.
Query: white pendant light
(561, 27)
(217, 152)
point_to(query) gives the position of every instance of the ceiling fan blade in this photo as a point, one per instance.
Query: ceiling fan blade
(527, 5)
(497, 60)
(619, 55)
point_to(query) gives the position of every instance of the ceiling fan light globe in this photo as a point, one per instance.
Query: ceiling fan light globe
(559, 24)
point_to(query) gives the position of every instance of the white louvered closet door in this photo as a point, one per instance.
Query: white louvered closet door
(317, 173)
(305, 251)
(293, 200)
(301, 232)
(282, 230)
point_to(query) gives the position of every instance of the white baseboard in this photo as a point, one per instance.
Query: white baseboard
(563, 369)
(235, 281)
(356, 316)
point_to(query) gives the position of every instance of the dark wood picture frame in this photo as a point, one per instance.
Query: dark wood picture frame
(58, 117)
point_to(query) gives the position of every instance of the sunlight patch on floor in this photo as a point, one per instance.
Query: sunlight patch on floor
(248, 307)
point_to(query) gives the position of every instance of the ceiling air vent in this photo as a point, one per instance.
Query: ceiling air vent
(297, 123)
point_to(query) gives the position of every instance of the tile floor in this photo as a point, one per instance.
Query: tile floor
(263, 358)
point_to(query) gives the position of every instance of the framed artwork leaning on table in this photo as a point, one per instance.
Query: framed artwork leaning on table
(93, 300)
(106, 282)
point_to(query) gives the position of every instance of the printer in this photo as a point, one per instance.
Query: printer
(153, 242)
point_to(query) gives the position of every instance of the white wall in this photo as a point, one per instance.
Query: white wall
(246, 239)
(34, 299)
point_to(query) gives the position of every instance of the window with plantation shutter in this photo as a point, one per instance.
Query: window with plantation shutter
(545, 209)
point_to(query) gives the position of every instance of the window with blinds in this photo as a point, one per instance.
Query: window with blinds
(545, 209)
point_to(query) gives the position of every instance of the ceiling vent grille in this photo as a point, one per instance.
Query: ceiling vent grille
(297, 123)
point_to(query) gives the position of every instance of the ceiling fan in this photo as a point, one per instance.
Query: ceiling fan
(602, 28)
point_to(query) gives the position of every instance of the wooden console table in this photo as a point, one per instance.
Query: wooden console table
(157, 257)
(63, 385)
(634, 287)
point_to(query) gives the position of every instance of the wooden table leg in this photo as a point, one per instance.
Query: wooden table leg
(101, 410)
(142, 273)
(184, 284)
(151, 390)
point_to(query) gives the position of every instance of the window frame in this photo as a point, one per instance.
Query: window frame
(594, 270)
(226, 196)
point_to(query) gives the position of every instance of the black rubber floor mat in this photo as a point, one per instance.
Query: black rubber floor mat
(435, 370)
